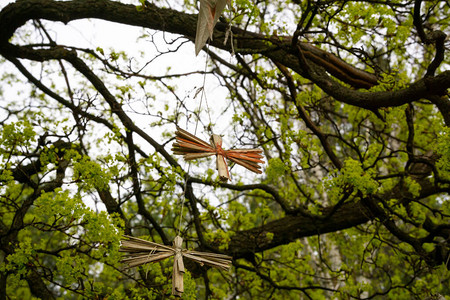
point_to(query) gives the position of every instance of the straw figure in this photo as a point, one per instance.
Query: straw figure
(142, 251)
(191, 147)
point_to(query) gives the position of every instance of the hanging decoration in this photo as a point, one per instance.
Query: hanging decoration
(139, 251)
(210, 11)
(191, 147)
(142, 251)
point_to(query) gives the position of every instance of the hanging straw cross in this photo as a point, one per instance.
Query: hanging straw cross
(142, 251)
(191, 147)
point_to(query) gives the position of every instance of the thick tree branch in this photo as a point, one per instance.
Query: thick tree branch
(38, 287)
(443, 104)
(436, 36)
(276, 48)
(286, 230)
(345, 215)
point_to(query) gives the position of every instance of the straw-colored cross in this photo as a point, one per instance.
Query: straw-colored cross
(191, 147)
(142, 251)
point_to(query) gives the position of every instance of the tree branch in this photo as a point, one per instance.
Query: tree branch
(289, 228)
(436, 36)
(275, 48)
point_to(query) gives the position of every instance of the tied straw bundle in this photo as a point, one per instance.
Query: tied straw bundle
(191, 147)
(142, 251)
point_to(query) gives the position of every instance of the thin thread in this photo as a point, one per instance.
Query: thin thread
(203, 95)
(183, 197)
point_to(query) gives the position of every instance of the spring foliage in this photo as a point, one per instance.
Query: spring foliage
(348, 100)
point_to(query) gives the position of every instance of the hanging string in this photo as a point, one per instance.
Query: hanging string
(182, 199)
(202, 96)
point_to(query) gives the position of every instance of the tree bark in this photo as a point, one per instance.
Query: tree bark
(275, 48)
